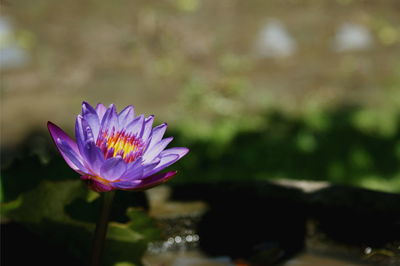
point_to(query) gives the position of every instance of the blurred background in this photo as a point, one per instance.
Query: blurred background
(258, 90)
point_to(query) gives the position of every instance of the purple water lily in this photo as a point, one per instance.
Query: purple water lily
(117, 150)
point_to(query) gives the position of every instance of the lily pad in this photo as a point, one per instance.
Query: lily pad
(63, 211)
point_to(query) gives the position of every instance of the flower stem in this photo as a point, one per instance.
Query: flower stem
(101, 228)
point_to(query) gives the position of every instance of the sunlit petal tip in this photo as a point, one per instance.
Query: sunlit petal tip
(53, 128)
(185, 151)
(87, 109)
(110, 120)
(150, 117)
(100, 110)
(180, 151)
(146, 131)
(136, 125)
(156, 149)
(86, 104)
(100, 106)
(156, 134)
(126, 116)
(129, 108)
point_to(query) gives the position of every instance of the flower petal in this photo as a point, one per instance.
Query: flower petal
(147, 127)
(126, 116)
(156, 135)
(91, 116)
(68, 152)
(153, 152)
(169, 157)
(134, 171)
(135, 127)
(156, 179)
(92, 155)
(150, 166)
(164, 163)
(127, 185)
(67, 147)
(149, 182)
(101, 110)
(109, 123)
(180, 151)
(113, 168)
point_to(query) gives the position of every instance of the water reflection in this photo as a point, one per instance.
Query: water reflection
(368, 250)
(181, 235)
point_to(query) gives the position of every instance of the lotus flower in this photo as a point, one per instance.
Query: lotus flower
(117, 151)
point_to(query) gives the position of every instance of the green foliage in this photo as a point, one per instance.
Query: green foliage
(349, 146)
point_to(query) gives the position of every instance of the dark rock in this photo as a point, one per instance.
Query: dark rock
(265, 222)
(356, 216)
(245, 220)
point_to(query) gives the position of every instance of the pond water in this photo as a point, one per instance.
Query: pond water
(204, 234)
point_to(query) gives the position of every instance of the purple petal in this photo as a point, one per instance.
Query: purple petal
(127, 185)
(76, 159)
(92, 155)
(180, 151)
(100, 110)
(156, 135)
(67, 147)
(149, 182)
(110, 120)
(126, 116)
(113, 168)
(164, 163)
(91, 116)
(79, 133)
(95, 185)
(169, 157)
(150, 166)
(157, 179)
(134, 171)
(134, 164)
(154, 151)
(83, 132)
(135, 127)
(147, 127)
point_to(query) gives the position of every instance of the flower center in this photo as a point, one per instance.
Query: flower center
(120, 143)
